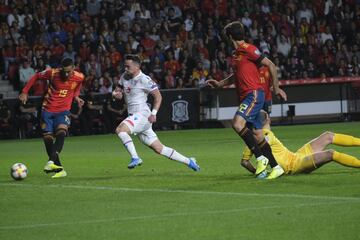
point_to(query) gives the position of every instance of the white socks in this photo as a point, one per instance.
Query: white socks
(174, 155)
(166, 151)
(128, 143)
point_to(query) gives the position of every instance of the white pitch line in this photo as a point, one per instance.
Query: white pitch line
(159, 190)
(160, 216)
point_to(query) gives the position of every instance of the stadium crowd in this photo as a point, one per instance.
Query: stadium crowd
(179, 41)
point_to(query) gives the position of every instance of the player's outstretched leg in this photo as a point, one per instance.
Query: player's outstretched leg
(57, 148)
(249, 139)
(345, 159)
(172, 154)
(49, 142)
(345, 140)
(318, 159)
(122, 132)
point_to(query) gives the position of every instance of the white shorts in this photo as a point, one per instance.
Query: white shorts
(139, 125)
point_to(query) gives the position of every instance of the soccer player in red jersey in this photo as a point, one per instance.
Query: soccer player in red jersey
(64, 87)
(265, 80)
(251, 95)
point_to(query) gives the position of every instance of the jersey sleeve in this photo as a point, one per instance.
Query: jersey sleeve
(149, 84)
(254, 54)
(44, 75)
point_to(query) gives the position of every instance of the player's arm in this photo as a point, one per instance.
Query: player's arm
(275, 80)
(79, 100)
(118, 91)
(156, 105)
(245, 160)
(23, 97)
(219, 84)
(77, 114)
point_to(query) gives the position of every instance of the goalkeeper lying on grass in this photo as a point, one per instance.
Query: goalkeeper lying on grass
(310, 156)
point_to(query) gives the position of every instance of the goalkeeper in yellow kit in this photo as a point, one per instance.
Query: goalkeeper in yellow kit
(310, 156)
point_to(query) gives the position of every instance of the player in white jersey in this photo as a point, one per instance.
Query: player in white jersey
(135, 86)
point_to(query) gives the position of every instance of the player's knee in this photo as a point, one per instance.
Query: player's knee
(61, 132)
(120, 129)
(48, 137)
(237, 126)
(329, 154)
(329, 136)
(157, 149)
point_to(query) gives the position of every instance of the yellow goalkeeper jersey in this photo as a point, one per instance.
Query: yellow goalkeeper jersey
(284, 157)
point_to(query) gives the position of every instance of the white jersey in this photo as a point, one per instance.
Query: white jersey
(136, 91)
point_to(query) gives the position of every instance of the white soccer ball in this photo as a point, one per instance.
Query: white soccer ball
(18, 171)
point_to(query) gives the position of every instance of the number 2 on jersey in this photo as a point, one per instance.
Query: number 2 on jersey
(242, 107)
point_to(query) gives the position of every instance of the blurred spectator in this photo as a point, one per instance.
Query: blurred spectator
(69, 52)
(8, 54)
(246, 20)
(215, 73)
(25, 72)
(97, 34)
(116, 110)
(6, 125)
(189, 23)
(93, 7)
(94, 111)
(57, 50)
(326, 35)
(169, 80)
(200, 73)
(171, 64)
(28, 119)
(283, 45)
(78, 123)
(106, 83)
(157, 68)
(304, 12)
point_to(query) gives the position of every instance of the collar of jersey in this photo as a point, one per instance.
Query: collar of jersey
(137, 76)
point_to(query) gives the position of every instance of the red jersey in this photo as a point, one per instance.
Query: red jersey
(265, 79)
(246, 73)
(60, 94)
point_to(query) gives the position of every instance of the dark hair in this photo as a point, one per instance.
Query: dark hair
(67, 62)
(134, 57)
(235, 30)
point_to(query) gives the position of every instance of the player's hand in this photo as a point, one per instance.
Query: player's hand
(23, 97)
(152, 118)
(281, 94)
(79, 101)
(213, 83)
(117, 93)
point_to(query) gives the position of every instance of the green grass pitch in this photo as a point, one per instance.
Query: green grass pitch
(102, 199)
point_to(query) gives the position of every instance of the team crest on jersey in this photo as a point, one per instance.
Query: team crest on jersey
(180, 111)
